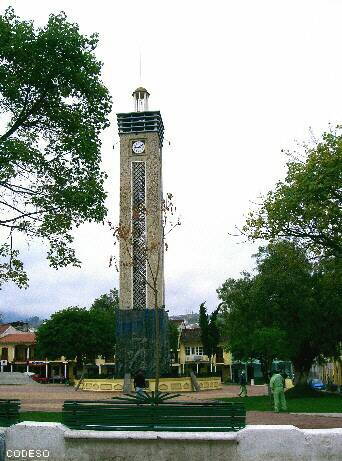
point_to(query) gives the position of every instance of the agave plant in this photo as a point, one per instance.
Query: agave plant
(148, 398)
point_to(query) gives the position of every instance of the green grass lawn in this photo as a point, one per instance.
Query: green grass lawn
(298, 401)
(306, 401)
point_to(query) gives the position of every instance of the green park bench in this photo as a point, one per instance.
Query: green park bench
(9, 412)
(107, 415)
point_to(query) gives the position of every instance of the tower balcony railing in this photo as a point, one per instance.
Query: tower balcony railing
(196, 358)
(137, 122)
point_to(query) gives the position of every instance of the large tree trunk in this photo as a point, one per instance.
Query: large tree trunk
(301, 374)
(301, 369)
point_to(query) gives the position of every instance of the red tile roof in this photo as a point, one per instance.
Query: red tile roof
(19, 338)
(3, 327)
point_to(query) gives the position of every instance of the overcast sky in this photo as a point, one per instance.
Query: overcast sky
(236, 82)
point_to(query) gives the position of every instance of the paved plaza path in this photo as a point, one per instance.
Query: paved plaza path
(50, 397)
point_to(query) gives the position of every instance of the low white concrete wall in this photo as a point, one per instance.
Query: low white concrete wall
(55, 442)
(39, 437)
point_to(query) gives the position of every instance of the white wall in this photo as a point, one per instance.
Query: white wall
(255, 443)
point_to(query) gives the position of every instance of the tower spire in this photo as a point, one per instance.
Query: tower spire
(140, 98)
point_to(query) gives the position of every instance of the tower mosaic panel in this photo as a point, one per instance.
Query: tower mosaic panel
(139, 234)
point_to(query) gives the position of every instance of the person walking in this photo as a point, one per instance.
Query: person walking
(277, 384)
(139, 382)
(243, 382)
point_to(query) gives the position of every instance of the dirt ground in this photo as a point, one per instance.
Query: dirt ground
(50, 397)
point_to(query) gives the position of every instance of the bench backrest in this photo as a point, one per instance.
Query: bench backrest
(177, 416)
(9, 412)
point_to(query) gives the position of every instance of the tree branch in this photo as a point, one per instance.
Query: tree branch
(22, 117)
(23, 215)
(18, 189)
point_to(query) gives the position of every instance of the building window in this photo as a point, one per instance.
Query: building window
(187, 350)
(196, 350)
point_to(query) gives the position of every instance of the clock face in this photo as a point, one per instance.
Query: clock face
(138, 147)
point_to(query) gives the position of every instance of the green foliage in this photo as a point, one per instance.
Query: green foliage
(11, 268)
(327, 281)
(214, 332)
(210, 333)
(204, 326)
(173, 338)
(291, 309)
(76, 333)
(54, 107)
(307, 206)
(243, 324)
(103, 313)
(108, 302)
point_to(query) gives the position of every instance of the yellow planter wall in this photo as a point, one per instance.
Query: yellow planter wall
(165, 384)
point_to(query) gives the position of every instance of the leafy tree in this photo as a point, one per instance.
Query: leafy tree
(269, 343)
(291, 309)
(174, 339)
(76, 333)
(108, 302)
(248, 337)
(103, 325)
(213, 332)
(284, 286)
(307, 206)
(327, 278)
(103, 311)
(53, 107)
(210, 334)
(204, 326)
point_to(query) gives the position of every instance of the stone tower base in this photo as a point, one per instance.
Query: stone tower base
(136, 340)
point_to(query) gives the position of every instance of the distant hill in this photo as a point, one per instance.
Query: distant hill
(192, 318)
(189, 318)
(9, 317)
(34, 322)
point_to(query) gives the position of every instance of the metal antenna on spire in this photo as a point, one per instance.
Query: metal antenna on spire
(140, 67)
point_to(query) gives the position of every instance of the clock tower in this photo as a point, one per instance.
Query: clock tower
(142, 258)
(138, 323)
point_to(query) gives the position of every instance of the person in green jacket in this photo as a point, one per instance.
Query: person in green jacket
(277, 384)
